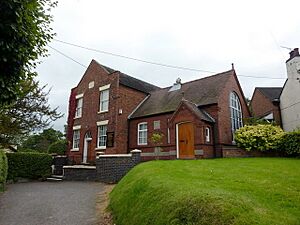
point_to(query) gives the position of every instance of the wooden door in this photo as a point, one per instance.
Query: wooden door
(186, 141)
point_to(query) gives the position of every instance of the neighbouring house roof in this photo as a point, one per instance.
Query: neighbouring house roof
(201, 92)
(132, 82)
(272, 93)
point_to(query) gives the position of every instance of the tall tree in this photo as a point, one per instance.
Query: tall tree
(41, 142)
(24, 34)
(30, 112)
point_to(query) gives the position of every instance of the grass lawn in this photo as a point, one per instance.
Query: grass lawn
(216, 191)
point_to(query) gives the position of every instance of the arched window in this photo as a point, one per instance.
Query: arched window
(235, 112)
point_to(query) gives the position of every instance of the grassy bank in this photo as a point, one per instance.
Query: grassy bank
(215, 192)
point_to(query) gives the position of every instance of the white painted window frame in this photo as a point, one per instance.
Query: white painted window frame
(100, 124)
(79, 106)
(207, 134)
(142, 130)
(102, 90)
(76, 138)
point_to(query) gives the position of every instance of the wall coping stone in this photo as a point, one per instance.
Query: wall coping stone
(115, 155)
(80, 167)
(136, 151)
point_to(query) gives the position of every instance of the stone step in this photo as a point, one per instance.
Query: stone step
(52, 179)
(57, 176)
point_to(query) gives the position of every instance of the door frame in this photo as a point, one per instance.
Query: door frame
(177, 133)
(87, 139)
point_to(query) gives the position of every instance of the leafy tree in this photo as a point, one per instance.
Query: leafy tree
(24, 34)
(30, 112)
(41, 142)
(58, 147)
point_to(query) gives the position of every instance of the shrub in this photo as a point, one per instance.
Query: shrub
(28, 165)
(3, 169)
(259, 137)
(290, 143)
(58, 147)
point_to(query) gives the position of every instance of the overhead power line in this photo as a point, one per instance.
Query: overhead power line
(67, 56)
(153, 63)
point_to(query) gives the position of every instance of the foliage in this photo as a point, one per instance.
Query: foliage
(3, 169)
(156, 138)
(30, 112)
(58, 147)
(290, 143)
(28, 165)
(215, 192)
(24, 34)
(41, 142)
(258, 137)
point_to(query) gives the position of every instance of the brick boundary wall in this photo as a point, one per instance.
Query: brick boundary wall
(80, 173)
(235, 152)
(112, 168)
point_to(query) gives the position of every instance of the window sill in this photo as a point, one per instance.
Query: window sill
(100, 148)
(75, 150)
(102, 111)
(77, 117)
(142, 144)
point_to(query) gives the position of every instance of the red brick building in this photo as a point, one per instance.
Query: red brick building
(265, 104)
(114, 113)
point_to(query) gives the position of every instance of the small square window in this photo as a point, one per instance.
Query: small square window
(156, 125)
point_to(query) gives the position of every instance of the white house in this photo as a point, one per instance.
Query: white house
(290, 95)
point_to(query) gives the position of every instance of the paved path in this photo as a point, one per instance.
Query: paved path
(50, 203)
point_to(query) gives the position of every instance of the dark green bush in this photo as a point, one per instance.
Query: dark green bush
(290, 143)
(28, 165)
(3, 169)
(58, 147)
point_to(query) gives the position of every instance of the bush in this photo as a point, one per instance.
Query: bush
(58, 147)
(259, 137)
(28, 165)
(3, 169)
(290, 143)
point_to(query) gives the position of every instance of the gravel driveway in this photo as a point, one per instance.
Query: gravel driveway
(43, 203)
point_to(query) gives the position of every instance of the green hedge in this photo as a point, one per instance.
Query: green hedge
(290, 143)
(3, 169)
(58, 147)
(28, 165)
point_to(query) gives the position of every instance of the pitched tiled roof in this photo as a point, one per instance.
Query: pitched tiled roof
(272, 93)
(200, 113)
(201, 92)
(132, 82)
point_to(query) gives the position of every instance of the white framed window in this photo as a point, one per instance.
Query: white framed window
(104, 100)
(142, 133)
(79, 103)
(207, 134)
(156, 125)
(236, 116)
(76, 139)
(102, 136)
